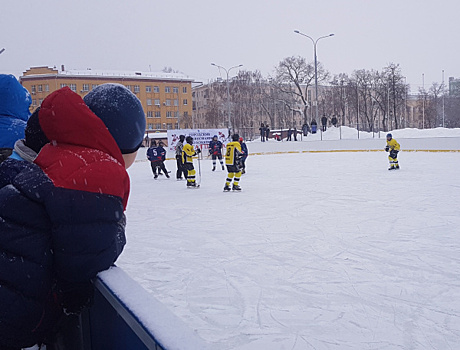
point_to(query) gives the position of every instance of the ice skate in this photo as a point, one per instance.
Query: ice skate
(226, 188)
(213, 168)
(236, 188)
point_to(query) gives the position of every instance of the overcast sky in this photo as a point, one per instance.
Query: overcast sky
(423, 37)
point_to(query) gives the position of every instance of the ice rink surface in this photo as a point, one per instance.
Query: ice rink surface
(319, 251)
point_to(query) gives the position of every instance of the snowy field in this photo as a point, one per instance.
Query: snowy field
(321, 250)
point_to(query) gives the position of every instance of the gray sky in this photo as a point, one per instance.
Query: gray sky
(422, 36)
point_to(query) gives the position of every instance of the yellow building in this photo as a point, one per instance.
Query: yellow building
(166, 97)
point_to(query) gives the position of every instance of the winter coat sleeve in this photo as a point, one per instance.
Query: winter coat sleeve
(88, 232)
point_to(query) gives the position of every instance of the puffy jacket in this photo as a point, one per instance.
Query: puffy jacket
(15, 101)
(61, 220)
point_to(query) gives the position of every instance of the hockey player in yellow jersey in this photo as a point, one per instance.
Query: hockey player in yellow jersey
(232, 161)
(187, 159)
(392, 147)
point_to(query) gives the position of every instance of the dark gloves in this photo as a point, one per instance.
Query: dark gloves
(74, 297)
(387, 148)
(198, 151)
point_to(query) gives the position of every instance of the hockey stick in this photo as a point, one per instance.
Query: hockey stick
(199, 167)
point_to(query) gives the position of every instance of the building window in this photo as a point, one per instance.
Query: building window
(185, 114)
(168, 102)
(176, 102)
(167, 89)
(176, 114)
(157, 102)
(176, 126)
(168, 114)
(150, 126)
(149, 102)
(93, 86)
(85, 87)
(184, 89)
(40, 101)
(40, 88)
(47, 88)
(175, 89)
(73, 87)
(185, 102)
(149, 114)
(148, 89)
(33, 89)
(129, 87)
(157, 114)
(169, 126)
(156, 89)
(137, 89)
(34, 102)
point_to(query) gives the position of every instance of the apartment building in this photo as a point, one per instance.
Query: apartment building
(165, 97)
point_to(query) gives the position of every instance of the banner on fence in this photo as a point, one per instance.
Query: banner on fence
(201, 137)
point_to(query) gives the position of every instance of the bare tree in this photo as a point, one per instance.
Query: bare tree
(293, 77)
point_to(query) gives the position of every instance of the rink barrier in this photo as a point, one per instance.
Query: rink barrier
(352, 150)
(337, 151)
(124, 316)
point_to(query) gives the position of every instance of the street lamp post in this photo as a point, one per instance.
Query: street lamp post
(315, 42)
(227, 71)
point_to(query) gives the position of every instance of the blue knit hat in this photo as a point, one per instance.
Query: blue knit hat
(122, 113)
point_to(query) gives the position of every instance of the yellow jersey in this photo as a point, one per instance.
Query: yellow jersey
(233, 153)
(187, 153)
(393, 144)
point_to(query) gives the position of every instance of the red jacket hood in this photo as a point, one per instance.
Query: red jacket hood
(82, 154)
(65, 118)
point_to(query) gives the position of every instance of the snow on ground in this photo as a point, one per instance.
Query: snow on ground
(321, 250)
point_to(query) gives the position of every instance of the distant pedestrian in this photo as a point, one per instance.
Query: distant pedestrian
(314, 126)
(267, 132)
(324, 122)
(334, 121)
(289, 135)
(294, 132)
(262, 132)
(305, 129)
(157, 155)
(392, 147)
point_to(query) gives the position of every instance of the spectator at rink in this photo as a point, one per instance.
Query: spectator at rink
(15, 101)
(66, 209)
(324, 123)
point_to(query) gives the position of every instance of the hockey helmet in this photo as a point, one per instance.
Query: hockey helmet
(389, 136)
(189, 139)
(235, 137)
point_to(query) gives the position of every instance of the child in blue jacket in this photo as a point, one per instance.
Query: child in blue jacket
(15, 101)
(157, 155)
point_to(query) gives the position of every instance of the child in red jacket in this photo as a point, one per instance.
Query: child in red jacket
(61, 217)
